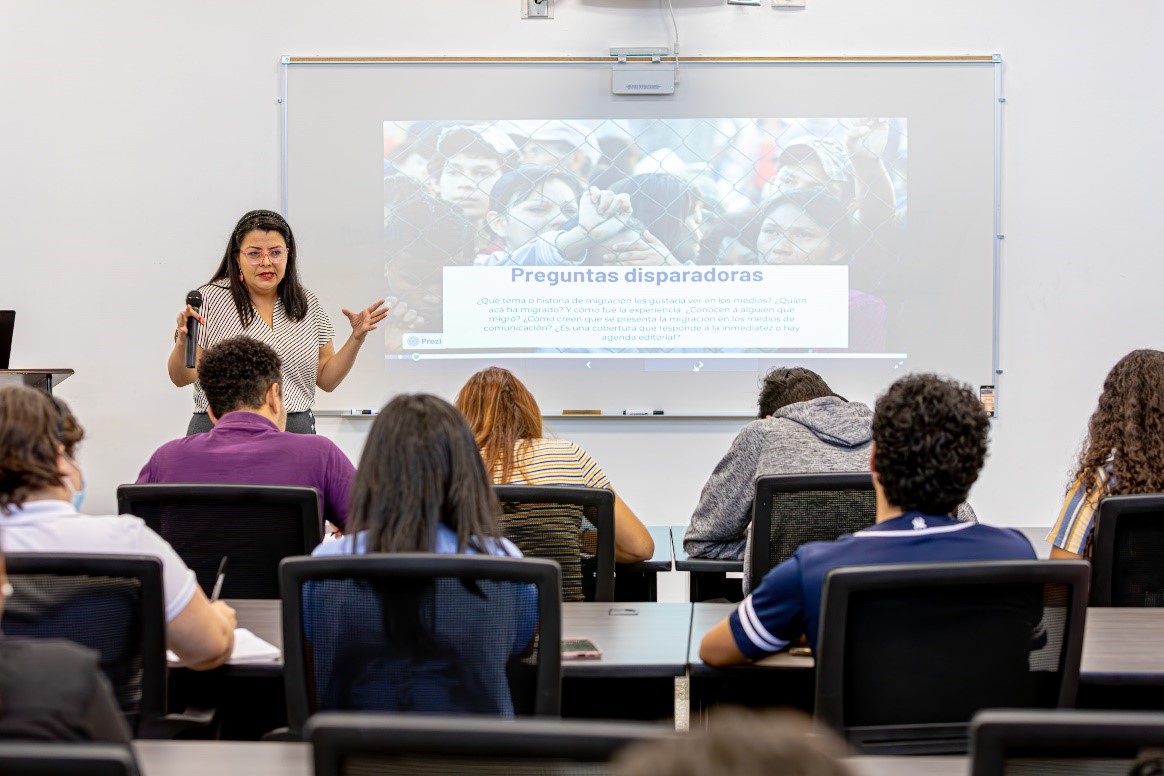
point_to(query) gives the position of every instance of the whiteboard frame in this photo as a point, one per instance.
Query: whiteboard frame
(992, 60)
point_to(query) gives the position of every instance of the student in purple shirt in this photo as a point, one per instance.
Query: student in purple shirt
(249, 444)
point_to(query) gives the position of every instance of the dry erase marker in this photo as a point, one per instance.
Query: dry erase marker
(221, 578)
(642, 412)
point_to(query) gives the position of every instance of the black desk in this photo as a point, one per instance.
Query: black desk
(244, 758)
(1122, 665)
(708, 575)
(639, 581)
(644, 648)
(642, 640)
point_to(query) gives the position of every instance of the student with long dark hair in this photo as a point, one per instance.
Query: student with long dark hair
(256, 292)
(421, 487)
(1122, 453)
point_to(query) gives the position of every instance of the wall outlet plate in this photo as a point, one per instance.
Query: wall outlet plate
(536, 9)
(788, 3)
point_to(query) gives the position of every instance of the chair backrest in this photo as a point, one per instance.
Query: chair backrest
(57, 759)
(255, 526)
(1127, 553)
(350, 744)
(421, 632)
(112, 604)
(793, 509)
(908, 653)
(573, 526)
(1030, 742)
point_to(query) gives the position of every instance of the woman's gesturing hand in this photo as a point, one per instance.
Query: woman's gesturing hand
(365, 320)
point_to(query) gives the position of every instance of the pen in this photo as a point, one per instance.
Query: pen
(361, 412)
(642, 412)
(218, 582)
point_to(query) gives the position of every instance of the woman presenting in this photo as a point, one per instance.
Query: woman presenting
(256, 292)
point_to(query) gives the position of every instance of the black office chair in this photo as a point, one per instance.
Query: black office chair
(793, 509)
(255, 526)
(421, 632)
(1127, 554)
(114, 605)
(1066, 741)
(349, 744)
(555, 522)
(908, 653)
(19, 758)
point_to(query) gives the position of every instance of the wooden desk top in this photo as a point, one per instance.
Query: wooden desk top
(271, 758)
(636, 639)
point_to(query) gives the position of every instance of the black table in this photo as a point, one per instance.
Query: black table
(644, 649)
(708, 575)
(1122, 666)
(639, 581)
(640, 640)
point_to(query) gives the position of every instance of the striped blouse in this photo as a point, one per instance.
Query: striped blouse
(296, 342)
(1077, 517)
(554, 462)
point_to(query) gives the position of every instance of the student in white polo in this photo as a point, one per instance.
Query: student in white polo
(41, 487)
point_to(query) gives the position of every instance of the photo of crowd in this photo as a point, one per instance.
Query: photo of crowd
(639, 192)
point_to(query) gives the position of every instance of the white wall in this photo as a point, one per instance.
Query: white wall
(133, 134)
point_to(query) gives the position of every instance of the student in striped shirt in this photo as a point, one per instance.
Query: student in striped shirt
(507, 422)
(1124, 451)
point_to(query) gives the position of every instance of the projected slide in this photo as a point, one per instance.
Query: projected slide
(565, 238)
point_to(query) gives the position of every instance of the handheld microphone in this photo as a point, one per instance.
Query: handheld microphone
(194, 299)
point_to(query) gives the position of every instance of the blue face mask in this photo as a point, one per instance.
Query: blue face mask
(77, 496)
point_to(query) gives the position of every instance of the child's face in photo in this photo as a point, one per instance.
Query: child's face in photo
(789, 235)
(543, 210)
(466, 182)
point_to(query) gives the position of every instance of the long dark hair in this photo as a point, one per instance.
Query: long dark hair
(291, 292)
(1127, 427)
(421, 467)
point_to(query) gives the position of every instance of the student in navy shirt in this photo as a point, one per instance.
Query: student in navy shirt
(249, 444)
(929, 444)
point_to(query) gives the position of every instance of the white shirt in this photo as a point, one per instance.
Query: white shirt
(296, 342)
(54, 526)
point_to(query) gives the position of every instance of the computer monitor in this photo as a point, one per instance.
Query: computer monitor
(7, 320)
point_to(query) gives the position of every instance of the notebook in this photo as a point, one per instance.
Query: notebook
(7, 319)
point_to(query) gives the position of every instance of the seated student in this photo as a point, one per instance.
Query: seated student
(507, 422)
(53, 690)
(803, 428)
(1122, 454)
(40, 493)
(421, 487)
(249, 444)
(737, 742)
(929, 443)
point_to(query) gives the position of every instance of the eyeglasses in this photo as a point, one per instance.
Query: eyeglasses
(254, 257)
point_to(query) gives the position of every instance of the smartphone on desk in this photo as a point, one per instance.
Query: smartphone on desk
(580, 649)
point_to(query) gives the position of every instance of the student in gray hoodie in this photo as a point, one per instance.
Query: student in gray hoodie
(803, 428)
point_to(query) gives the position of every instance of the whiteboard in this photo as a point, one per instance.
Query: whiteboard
(335, 113)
